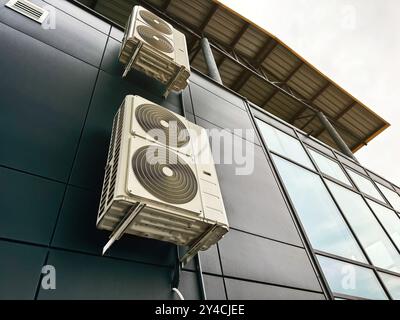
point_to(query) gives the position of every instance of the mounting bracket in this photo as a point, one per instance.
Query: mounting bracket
(133, 59)
(123, 225)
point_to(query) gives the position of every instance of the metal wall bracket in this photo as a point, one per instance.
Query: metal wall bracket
(123, 225)
(195, 247)
(172, 81)
(133, 59)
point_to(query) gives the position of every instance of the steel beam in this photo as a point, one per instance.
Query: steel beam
(270, 45)
(313, 98)
(341, 114)
(285, 81)
(335, 136)
(210, 61)
(235, 41)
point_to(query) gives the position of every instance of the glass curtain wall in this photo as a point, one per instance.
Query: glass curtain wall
(354, 233)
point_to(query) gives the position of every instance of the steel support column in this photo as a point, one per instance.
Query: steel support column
(210, 61)
(335, 136)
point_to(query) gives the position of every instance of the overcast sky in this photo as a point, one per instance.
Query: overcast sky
(354, 42)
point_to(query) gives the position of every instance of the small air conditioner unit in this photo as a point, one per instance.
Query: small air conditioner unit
(153, 46)
(157, 190)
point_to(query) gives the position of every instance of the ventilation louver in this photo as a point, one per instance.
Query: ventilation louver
(28, 9)
(165, 189)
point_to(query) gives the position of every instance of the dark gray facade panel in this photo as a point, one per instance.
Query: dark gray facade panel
(214, 287)
(244, 290)
(74, 11)
(188, 286)
(254, 202)
(44, 99)
(76, 230)
(187, 101)
(70, 35)
(251, 257)
(116, 34)
(208, 84)
(20, 270)
(270, 120)
(29, 206)
(210, 261)
(81, 276)
(219, 112)
(190, 117)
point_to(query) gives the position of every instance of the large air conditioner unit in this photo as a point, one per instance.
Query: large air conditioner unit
(165, 189)
(153, 46)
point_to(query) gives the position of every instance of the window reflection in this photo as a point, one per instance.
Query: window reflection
(389, 219)
(348, 279)
(365, 185)
(371, 235)
(392, 284)
(329, 167)
(319, 215)
(391, 196)
(284, 144)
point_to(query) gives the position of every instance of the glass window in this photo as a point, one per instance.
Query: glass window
(391, 196)
(365, 185)
(389, 219)
(329, 167)
(284, 144)
(392, 283)
(348, 279)
(319, 215)
(368, 230)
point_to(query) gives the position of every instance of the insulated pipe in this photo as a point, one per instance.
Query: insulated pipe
(210, 61)
(335, 136)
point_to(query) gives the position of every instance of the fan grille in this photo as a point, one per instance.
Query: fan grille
(162, 125)
(155, 22)
(155, 39)
(164, 174)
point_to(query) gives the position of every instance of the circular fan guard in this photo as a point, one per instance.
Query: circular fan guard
(155, 39)
(154, 119)
(175, 185)
(155, 22)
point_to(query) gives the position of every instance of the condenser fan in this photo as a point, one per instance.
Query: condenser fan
(164, 174)
(155, 22)
(155, 39)
(162, 125)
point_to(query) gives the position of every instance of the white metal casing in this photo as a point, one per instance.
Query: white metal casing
(182, 224)
(156, 63)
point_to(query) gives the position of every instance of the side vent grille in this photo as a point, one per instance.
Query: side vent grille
(117, 148)
(112, 162)
(28, 9)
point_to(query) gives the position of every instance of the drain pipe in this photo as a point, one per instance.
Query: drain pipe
(210, 61)
(335, 136)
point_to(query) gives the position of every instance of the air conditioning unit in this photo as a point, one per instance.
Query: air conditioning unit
(153, 46)
(165, 189)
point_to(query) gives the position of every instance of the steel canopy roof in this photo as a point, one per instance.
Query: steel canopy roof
(260, 67)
